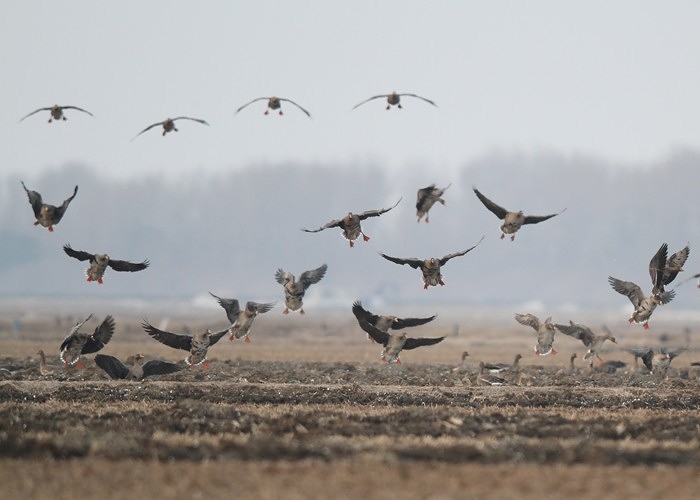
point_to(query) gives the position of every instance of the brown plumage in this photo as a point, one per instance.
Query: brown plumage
(426, 198)
(384, 322)
(394, 344)
(138, 371)
(274, 103)
(545, 332)
(197, 345)
(78, 343)
(294, 290)
(100, 261)
(169, 125)
(584, 334)
(47, 215)
(56, 112)
(394, 99)
(242, 319)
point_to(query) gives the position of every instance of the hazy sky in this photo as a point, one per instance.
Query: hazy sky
(615, 80)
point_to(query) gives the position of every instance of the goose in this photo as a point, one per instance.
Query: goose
(78, 343)
(294, 290)
(673, 265)
(483, 378)
(138, 371)
(497, 368)
(100, 261)
(584, 334)
(47, 215)
(169, 125)
(351, 224)
(242, 320)
(274, 103)
(512, 221)
(426, 198)
(394, 99)
(394, 344)
(385, 323)
(644, 306)
(545, 332)
(463, 365)
(197, 345)
(56, 112)
(431, 267)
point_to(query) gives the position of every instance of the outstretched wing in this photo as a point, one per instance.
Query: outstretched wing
(406, 322)
(292, 102)
(674, 264)
(333, 223)
(198, 120)
(251, 102)
(631, 290)
(363, 314)
(99, 339)
(157, 367)
(34, 200)
(77, 254)
(216, 336)
(497, 210)
(577, 331)
(259, 307)
(35, 112)
(58, 213)
(308, 278)
(377, 335)
(414, 263)
(112, 366)
(528, 320)
(231, 307)
(534, 219)
(367, 100)
(444, 260)
(376, 213)
(657, 265)
(123, 265)
(79, 109)
(282, 277)
(423, 99)
(175, 340)
(146, 129)
(413, 343)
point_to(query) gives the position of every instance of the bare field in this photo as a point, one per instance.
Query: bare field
(307, 411)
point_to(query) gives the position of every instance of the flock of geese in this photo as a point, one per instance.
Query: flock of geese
(663, 269)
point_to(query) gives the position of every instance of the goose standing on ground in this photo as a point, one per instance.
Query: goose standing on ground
(426, 198)
(463, 365)
(197, 345)
(497, 368)
(431, 268)
(644, 306)
(274, 103)
(545, 332)
(351, 224)
(78, 343)
(100, 261)
(294, 289)
(242, 320)
(394, 99)
(47, 215)
(394, 344)
(138, 371)
(169, 125)
(385, 323)
(584, 334)
(638, 353)
(56, 112)
(483, 378)
(512, 221)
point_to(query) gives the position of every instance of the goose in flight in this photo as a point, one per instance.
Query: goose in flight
(395, 343)
(274, 103)
(426, 198)
(138, 371)
(56, 112)
(584, 334)
(242, 319)
(545, 332)
(169, 125)
(47, 215)
(197, 345)
(78, 343)
(294, 289)
(394, 99)
(100, 261)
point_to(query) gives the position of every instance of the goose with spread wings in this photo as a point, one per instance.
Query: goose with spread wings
(275, 104)
(585, 334)
(394, 344)
(169, 125)
(512, 221)
(242, 319)
(78, 343)
(545, 332)
(387, 322)
(426, 198)
(431, 268)
(294, 289)
(47, 215)
(351, 224)
(394, 99)
(138, 371)
(100, 261)
(56, 112)
(197, 345)
(673, 266)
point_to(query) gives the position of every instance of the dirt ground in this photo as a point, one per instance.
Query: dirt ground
(307, 410)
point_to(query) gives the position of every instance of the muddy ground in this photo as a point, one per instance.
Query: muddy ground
(318, 416)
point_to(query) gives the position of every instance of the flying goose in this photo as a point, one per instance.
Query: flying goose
(545, 332)
(56, 112)
(100, 261)
(644, 306)
(431, 268)
(138, 371)
(394, 99)
(426, 198)
(673, 265)
(385, 323)
(169, 125)
(584, 334)
(242, 320)
(394, 344)
(512, 221)
(197, 345)
(274, 103)
(351, 224)
(78, 343)
(47, 215)
(294, 290)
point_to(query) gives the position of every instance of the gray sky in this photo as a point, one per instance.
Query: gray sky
(614, 80)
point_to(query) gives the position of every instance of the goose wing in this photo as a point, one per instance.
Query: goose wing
(174, 340)
(123, 265)
(78, 254)
(421, 98)
(101, 336)
(34, 200)
(77, 108)
(377, 335)
(376, 213)
(292, 102)
(413, 343)
(112, 366)
(308, 278)
(444, 260)
(414, 263)
(231, 306)
(251, 102)
(35, 112)
(497, 210)
(631, 290)
(58, 213)
(370, 99)
(158, 367)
